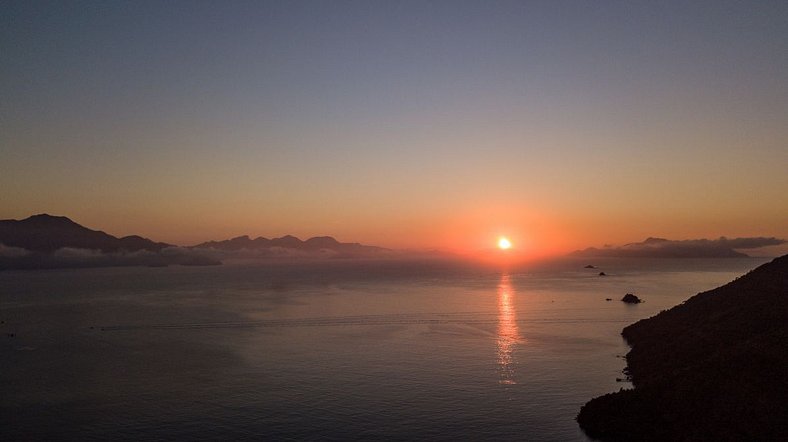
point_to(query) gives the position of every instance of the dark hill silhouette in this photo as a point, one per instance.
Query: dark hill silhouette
(287, 242)
(237, 243)
(691, 248)
(47, 233)
(713, 368)
(322, 242)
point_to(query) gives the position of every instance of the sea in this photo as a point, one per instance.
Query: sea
(421, 349)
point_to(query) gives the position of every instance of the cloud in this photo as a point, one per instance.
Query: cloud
(12, 252)
(16, 258)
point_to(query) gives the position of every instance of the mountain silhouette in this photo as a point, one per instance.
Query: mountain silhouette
(46, 241)
(288, 242)
(691, 248)
(47, 233)
(713, 368)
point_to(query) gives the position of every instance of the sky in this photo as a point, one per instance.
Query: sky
(407, 124)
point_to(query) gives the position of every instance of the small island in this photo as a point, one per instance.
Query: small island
(629, 298)
(713, 368)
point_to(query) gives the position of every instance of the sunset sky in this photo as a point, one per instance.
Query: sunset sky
(404, 124)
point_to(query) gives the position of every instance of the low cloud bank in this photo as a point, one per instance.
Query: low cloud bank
(68, 257)
(12, 252)
(18, 258)
(691, 248)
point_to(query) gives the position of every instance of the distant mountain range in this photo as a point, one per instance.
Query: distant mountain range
(288, 242)
(56, 241)
(46, 241)
(692, 248)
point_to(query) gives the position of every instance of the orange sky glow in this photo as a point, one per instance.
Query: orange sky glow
(548, 127)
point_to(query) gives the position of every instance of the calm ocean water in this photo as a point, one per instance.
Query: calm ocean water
(332, 351)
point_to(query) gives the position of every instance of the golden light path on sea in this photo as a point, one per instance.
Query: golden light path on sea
(508, 334)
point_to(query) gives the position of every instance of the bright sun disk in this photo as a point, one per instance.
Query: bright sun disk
(504, 243)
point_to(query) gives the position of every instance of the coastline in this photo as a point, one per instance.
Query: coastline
(712, 368)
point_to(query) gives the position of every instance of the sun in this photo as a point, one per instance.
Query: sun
(504, 243)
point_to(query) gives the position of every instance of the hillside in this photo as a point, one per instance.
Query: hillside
(47, 233)
(47, 242)
(713, 368)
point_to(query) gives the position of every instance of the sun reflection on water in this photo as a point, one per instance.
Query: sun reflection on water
(508, 334)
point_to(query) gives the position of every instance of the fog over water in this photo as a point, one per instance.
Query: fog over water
(335, 350)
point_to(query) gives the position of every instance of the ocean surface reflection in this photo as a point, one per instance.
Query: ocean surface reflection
(508, 334)
(341, 350)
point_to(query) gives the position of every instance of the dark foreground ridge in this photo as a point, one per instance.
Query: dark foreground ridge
(714, 368)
